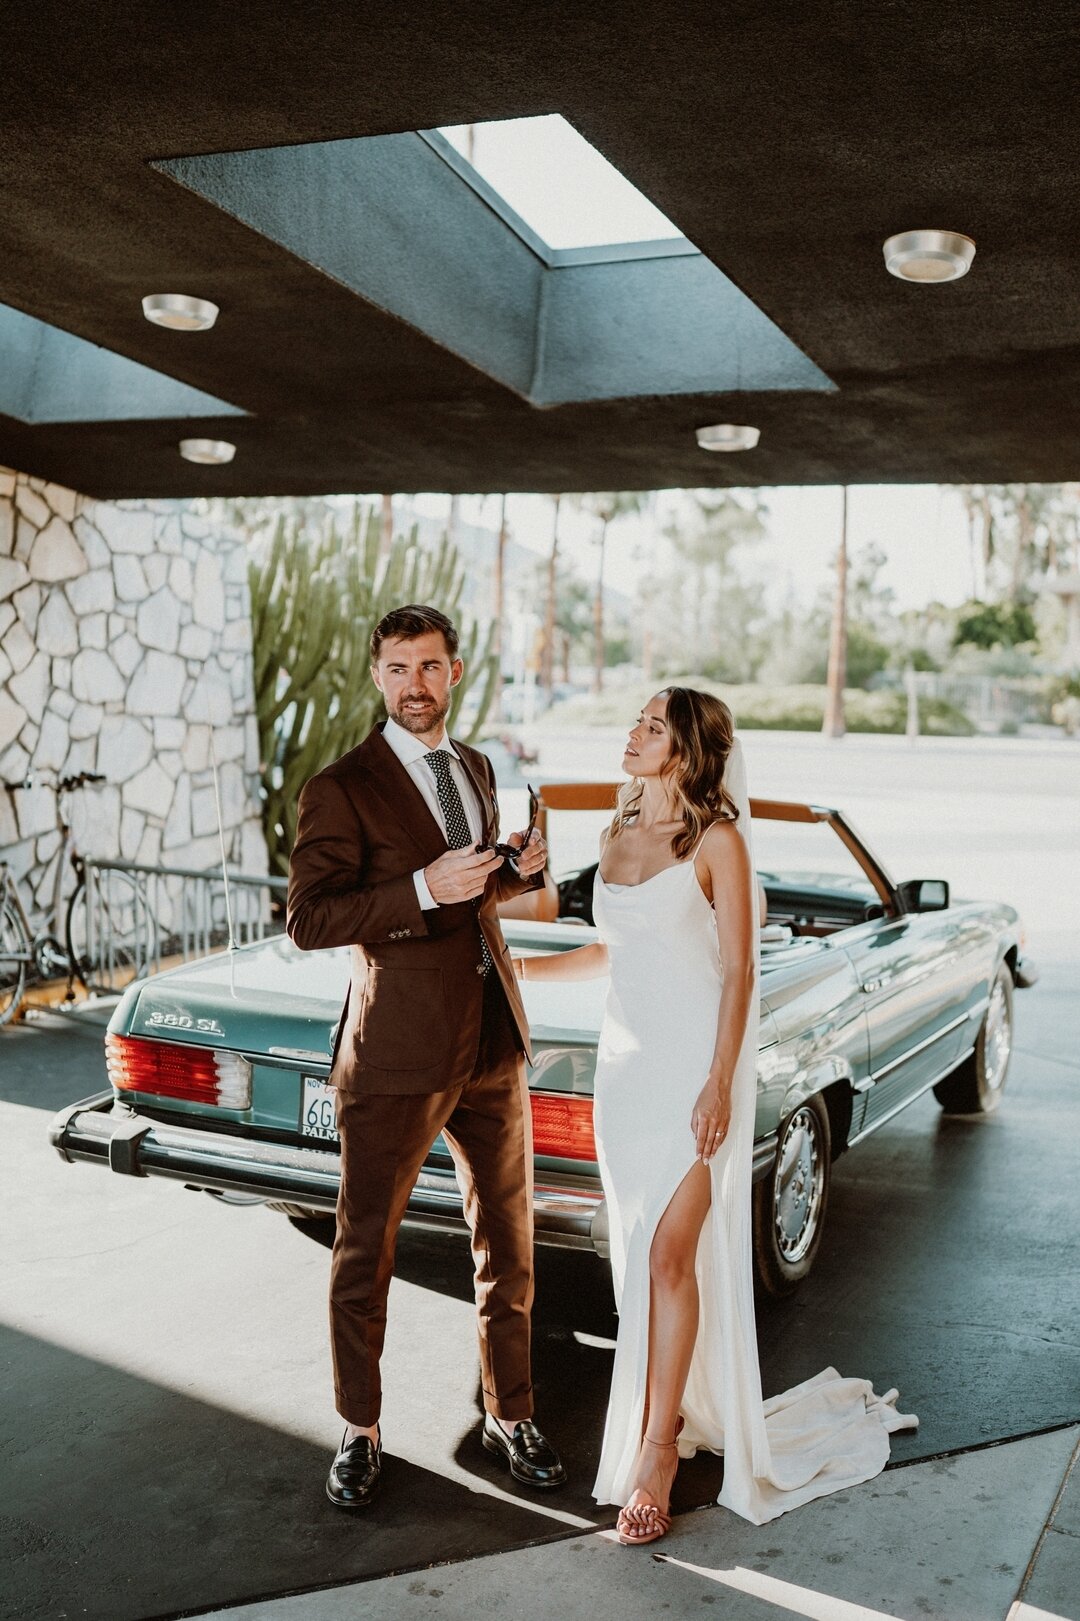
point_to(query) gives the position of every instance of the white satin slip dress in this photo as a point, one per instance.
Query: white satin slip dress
(656, 1045)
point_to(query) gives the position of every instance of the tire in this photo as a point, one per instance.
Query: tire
(13, 939)
(790, 1202)
(131, 947)
(976, 1085)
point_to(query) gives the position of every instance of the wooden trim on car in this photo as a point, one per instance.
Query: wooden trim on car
(595, 796)
(600, 796)
(786, 810)
(578, 796)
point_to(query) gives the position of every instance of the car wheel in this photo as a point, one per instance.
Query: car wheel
(789, 1203)
(975, 1087)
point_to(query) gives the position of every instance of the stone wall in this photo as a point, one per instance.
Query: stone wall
(125, 634)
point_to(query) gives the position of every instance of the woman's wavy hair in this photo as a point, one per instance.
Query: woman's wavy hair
(702, 730)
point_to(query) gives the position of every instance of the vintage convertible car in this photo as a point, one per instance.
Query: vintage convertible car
(871, 993)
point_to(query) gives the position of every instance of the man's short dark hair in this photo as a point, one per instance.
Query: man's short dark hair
(413, 620)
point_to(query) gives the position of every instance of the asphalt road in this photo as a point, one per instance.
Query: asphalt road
(167, 1420)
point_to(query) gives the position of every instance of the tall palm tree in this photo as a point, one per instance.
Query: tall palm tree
(606, 505)
(703, 533)
(1021, 528)
(499, 589)
(547, 666)
(833, 722)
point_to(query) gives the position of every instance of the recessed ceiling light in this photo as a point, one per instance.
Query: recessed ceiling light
(212, 452)
(929, 255)
(728, 436)
(180, 312)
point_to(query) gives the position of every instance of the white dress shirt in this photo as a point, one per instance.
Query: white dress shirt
(412, 753)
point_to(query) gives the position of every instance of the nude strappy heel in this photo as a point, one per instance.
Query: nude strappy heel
(649, 1519)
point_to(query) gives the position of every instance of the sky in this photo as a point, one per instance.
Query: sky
(921, 528)
(528, 161)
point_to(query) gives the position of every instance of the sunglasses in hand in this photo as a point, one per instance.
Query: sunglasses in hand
(510, 851)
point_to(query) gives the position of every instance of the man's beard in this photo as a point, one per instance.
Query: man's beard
(428, 719)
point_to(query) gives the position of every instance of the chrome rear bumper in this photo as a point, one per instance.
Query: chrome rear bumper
(569, 1213)
(101, 1131)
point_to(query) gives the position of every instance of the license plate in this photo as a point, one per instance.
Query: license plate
(317, 1109)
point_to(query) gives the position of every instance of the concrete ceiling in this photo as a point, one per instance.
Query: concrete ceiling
(387, 325)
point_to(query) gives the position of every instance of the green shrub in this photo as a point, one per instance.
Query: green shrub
(780, 709)
(995, 624)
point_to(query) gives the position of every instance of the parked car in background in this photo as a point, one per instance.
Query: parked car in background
(872, 992)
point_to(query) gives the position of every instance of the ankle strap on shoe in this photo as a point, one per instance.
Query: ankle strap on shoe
(653, 1443)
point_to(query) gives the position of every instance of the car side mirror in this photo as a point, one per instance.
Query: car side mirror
(924, 895)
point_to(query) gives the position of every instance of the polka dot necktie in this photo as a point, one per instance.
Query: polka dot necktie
(457, 823)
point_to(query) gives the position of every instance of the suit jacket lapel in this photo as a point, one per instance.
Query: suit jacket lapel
(405, 804)
(485, 798)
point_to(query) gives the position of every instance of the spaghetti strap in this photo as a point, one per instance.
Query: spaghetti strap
(701, 841)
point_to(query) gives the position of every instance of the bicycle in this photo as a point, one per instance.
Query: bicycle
(110, 933)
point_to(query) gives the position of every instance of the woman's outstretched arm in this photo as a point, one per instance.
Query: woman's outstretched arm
(583, 962)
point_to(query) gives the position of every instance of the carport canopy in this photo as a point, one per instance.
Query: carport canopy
(388, 323)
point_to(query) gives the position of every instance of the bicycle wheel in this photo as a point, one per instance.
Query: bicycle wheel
(14, 955)
(113, 939)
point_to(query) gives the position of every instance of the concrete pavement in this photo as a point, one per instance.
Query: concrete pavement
(991, 1535)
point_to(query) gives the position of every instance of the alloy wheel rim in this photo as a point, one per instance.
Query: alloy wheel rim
(997, 1044)
(800, 1183)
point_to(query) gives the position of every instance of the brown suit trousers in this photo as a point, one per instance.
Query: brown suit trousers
(385, 1139)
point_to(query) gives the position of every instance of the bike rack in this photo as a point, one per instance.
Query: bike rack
(164, 915)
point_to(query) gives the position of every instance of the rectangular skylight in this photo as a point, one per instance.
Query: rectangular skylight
(562, 187)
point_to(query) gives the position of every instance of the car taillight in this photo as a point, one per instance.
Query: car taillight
(200, 1074)
(563, 1125)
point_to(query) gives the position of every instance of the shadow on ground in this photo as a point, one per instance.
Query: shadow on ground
(123, 1500)
(51, 1060)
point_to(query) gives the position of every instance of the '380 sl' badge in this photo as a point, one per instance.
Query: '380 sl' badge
(183, 1021)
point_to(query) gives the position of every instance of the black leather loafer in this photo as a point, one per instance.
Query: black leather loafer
(355, 1473)
(533, 1461)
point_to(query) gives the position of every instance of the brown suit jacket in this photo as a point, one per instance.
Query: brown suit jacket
(411, 1020)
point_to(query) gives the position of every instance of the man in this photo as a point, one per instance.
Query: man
(393, 858)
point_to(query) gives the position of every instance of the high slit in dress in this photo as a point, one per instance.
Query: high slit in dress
(656, 1045)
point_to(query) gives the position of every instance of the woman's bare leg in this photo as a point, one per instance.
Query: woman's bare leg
(673, 1326)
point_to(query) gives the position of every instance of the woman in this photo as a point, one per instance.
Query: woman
(676, 1079)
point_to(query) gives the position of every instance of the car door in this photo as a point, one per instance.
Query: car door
(915, 988)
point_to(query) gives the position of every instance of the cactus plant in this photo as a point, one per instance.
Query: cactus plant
(315, 599)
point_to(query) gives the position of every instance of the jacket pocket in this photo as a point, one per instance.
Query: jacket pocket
(403, 1019)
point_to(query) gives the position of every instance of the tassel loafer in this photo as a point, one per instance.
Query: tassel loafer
(355, 1473)
(533, 1460)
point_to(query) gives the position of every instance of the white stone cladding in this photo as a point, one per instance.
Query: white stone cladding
(125, 634)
